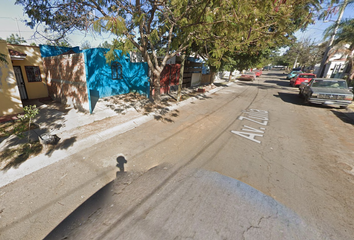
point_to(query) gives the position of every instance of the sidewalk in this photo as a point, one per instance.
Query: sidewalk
(77, 130)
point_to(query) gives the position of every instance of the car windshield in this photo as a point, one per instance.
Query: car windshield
(307, 76)
(329, 84)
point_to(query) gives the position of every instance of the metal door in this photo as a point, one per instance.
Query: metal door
(20, 83)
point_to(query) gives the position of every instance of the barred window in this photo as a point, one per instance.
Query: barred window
(117, 71)
(33, 74)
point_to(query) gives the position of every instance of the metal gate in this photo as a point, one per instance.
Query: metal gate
(20, 83)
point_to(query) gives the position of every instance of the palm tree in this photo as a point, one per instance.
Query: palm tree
(344, 38)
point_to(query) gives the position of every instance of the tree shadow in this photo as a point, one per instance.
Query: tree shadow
(221, 84)
(25, 150)
(51, 114)
(60, 146)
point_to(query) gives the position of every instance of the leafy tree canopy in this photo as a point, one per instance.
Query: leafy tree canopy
(169, 27)
(60, 42)
(306, 53)
(15, 39)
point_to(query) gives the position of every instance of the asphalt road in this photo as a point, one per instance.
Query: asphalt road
(247, 162)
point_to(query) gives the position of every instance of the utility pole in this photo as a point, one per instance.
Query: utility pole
(325, 55)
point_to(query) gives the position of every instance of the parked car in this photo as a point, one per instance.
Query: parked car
(301, 77)
(292, 74)
(248, 76)
(258, 72)
(326, 91)
(267, 68)
(296, 69)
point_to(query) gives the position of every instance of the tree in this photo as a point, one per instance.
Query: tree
(344, 40)
(333, 7)
(105, 44)
(169, 27)
(267, 30)
(243, 60)
(304, 54)
(15, 39)
(86, 45)
(60, 42)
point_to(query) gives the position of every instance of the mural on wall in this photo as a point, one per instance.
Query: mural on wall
(120, 77)
(51, 51)
(134, 76)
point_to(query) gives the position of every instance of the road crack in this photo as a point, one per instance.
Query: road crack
(254, 226)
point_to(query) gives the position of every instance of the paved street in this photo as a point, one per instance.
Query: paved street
(247, 162)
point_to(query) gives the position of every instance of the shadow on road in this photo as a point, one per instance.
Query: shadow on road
(279, 83)
(263, 86)
(344, 116)
(290, 98)
(91, 206)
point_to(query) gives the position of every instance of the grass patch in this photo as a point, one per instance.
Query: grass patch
(13, 157)
(15, 127)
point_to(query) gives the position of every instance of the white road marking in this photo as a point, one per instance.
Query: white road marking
(250, 132)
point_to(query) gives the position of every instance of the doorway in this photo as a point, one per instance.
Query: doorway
(20, 83)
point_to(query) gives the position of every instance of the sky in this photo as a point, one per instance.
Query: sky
(12, 21)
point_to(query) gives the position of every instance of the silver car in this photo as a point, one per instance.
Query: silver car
(326, 91)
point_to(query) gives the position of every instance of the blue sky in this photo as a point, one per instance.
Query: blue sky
(12, 16)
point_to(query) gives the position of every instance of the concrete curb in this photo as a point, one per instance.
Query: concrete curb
(43, 160)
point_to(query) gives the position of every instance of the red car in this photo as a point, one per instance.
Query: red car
(248, 76)
(301, 77)
(258, 72)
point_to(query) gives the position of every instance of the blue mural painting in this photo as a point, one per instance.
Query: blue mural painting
(101, 82)
(50, 51)
(99, 79)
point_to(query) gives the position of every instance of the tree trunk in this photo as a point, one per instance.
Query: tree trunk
(181, 78)
(212, 74)
(157, 87)
(231, 71)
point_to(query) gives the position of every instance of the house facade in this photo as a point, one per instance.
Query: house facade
(22, 78)
(80, 77)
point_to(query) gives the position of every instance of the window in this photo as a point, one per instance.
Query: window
(33, 74)
(117, 71)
